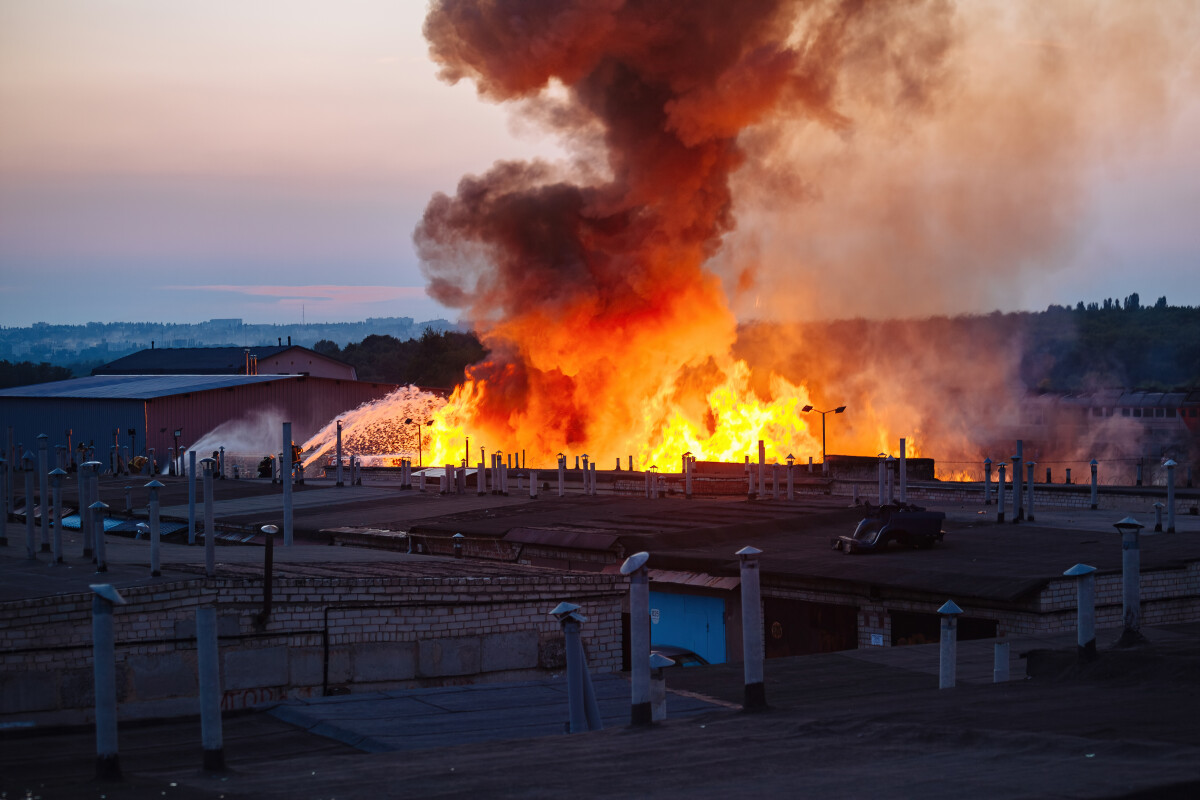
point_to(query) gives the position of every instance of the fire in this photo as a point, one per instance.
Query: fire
(725, 424)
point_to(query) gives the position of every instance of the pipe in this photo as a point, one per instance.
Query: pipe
(191, 497)
(30, 532)
(43, 457)
(155, 530)
(1085, 605)
(210, 533)
(286, 475)
(1094, 465)
(903, 471)
(987, 481)
(104, 671)
(1000, 492)
(58, 474)
(754, 693)
(1170, 465)
(1029, 492)
(948, 645)
(634, 567)
(208, 667)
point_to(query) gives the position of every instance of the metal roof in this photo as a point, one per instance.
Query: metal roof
(193, 360)
(136, 387)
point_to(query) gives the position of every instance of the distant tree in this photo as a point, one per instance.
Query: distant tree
(1161, 303)
(1079, 306)
(1133, 302)
(327, 348)
(26, 373)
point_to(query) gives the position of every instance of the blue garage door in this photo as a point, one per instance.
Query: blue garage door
(692, 621)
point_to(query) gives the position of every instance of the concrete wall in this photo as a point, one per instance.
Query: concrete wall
(323, 636)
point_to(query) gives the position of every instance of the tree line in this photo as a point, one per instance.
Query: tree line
(435, 360)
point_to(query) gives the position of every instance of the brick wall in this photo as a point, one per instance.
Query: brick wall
(323, 635)
(1168, 596)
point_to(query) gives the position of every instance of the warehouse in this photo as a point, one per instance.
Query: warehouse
(155, 413)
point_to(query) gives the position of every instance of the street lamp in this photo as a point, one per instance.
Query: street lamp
(837, 410)
(420, 457)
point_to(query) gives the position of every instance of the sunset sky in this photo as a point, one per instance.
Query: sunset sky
(177, 161)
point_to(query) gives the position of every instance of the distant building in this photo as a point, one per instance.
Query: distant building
(283, 359)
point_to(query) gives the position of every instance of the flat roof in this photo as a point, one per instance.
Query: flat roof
(135, 387)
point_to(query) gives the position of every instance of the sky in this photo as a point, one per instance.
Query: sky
(189, 160)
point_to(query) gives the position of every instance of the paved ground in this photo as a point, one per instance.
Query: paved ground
(853, 724)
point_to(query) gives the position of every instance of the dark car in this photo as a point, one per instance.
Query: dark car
(911, 526)
(680, 655)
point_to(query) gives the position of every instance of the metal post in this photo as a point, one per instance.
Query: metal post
(533, 484)
(286, 475)
(587, 475)
(221, 463)
(98, 509)
(882, 483)
(948, 649)
(1170, 465)
(1131, 566)
(762, 465)
(891, 479)
(987, 481)
(1000, 669)
(1094, 464)
(687, 475)
(903, 469)
(639, 637)
(754, 694)
(1018, 507)
(791, 469)
(155, 529)
(57, 474)
(775, 481)
(339, 454)
(583, 709)
(1029, 492)
(43, 457)
(208, 667)
(562, 474)
(104, 667)
(191, 475)
(1085, 605)
(210, 533)
(1000, 492)
(30, 531)
(85, 513)
(658, 686)
(5, 507)
(1158, 509)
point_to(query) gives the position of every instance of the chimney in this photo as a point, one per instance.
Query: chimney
(280, 340)
(289, 341)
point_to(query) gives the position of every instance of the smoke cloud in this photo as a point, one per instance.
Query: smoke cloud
(885, 159)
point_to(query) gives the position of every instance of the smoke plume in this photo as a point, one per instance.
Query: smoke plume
(885, 159)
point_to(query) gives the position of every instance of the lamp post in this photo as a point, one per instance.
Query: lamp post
(837, 410)
(178, 465)
(420, 436)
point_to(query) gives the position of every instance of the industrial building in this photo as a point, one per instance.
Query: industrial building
(155, 413)
(281, 359)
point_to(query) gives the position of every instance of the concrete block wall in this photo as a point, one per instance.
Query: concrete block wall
(323, 636)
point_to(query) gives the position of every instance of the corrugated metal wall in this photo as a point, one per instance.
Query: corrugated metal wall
(89, 420)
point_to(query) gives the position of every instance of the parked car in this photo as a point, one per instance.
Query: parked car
(911, 526)
(680, 655)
